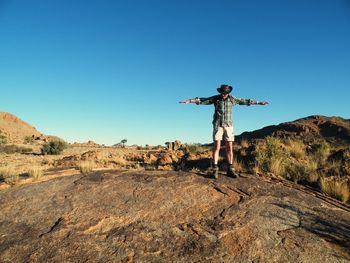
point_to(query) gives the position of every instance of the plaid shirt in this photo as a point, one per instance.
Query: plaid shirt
(223, 108)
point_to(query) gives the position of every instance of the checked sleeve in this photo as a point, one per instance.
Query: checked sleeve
(240, 101)
(207, 101)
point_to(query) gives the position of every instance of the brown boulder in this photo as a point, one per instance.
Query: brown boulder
(149, 159)
(165, 159)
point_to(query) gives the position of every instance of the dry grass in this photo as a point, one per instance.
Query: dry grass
(86, 166)
(334, 168)
(277, 166)
(9, 175)
(296, 148)
(255, 169)
(47, 161)
(313, 177)
(35, 172)
(311, 166)
(335, 188)
(321, 151)
(5, 172)
(271, 157)
(238, 165)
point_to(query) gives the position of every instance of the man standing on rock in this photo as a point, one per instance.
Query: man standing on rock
(223, 123)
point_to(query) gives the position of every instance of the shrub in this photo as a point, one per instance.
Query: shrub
(305, 171)
(3, 139)
(14, 149)
(54, 147)
(298, 173)
(335, 188)
(271, 157)
(86, 166)
(35, 172)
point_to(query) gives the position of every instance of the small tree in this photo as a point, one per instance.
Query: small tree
(123, 142)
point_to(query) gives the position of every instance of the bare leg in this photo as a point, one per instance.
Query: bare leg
(216, 151)
(229, 152)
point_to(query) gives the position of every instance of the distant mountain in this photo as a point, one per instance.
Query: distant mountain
(335, 130)
(16, 129)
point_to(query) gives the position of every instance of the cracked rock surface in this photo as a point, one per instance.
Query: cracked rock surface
(168, 216)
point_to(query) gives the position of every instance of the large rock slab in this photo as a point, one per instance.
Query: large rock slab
(152, 216)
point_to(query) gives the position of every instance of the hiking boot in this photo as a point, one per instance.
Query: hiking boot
(216, 172)
(231, 172)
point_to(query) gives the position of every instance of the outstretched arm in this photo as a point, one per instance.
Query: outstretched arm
(195, 100)
(249, 102)
(204, 101)
(255, 102)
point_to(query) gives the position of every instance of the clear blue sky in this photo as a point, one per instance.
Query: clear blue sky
(108, 70)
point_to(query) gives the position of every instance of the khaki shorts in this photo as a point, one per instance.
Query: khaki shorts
(223, 132)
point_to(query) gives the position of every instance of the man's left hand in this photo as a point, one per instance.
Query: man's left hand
(263, 103)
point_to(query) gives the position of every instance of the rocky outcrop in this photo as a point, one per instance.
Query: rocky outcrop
(134, 216)
(16, 129)
(333, 129)
(100, 158)
(89, 143)
(174, 146)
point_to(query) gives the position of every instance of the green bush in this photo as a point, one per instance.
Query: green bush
(299, 173)
(54, 147)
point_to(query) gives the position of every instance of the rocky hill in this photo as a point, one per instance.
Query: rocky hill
(335, 130)
(169, 216)
(16, 129)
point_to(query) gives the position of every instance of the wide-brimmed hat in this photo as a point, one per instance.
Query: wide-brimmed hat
(224, 88)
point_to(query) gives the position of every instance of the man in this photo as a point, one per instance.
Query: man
(223, 123)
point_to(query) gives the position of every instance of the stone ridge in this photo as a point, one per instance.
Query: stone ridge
(168, 216)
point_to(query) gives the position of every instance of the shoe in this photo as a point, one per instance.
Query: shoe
(231, 172)
(216, 172)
